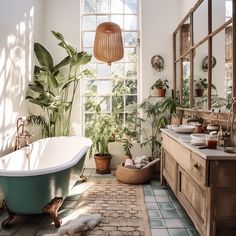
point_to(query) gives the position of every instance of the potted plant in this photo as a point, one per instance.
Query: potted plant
(101, 132)
(200, 85)
(161, 86)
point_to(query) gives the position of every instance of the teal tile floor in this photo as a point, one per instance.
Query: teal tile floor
(166, 215)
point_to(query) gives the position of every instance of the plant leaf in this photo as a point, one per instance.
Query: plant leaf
(64, 62)
(43, 56)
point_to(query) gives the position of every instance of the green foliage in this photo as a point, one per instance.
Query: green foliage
(101, 132)
(105, 127)
(53, 89)
(201, 83)
(156, 119)
(160, 84)
(127, 145)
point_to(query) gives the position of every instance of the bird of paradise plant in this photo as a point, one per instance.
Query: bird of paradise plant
(54, 87)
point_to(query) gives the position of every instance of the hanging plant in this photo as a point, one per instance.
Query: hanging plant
(54, 87)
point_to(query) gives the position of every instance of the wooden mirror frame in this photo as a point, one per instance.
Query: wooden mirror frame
(193, 46)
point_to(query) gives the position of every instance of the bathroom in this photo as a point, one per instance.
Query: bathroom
(25, 22)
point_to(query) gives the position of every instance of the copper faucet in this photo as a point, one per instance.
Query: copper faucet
(21, 133)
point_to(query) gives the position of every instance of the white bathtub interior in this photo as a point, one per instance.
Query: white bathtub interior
(45, 155)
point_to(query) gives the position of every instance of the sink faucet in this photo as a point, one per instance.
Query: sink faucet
(21, 133)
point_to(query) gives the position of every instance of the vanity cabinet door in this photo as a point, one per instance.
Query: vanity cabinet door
(194, 198)
(169, 169)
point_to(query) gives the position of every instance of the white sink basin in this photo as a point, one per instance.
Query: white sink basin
(184, 129)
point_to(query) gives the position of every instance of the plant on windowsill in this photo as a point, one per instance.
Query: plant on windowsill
(54, 87)
(161, 86)
(200, 86)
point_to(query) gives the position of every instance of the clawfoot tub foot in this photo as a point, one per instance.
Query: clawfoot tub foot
(82, 177)
(11, 215)
(52, 207)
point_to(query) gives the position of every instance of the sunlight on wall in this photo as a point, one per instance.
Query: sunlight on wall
(15, 73)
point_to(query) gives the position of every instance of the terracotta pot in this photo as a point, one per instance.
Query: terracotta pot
(199, 92)
(102, 163)
(160, 92)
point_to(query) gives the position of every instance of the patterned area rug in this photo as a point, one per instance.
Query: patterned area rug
(121, 205)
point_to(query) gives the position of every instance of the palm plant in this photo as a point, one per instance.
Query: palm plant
(54, 89)
(156, 118)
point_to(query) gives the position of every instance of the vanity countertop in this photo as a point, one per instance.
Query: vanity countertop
(208, 154)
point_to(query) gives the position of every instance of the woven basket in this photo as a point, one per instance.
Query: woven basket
(133, 176)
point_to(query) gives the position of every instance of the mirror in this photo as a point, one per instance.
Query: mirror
(186, 82)
(200, 22)
(216, 43)
(222, 72)
(185, 41)
(221, 12)
(200, 77)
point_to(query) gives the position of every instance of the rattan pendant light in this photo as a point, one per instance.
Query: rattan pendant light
(108, 44)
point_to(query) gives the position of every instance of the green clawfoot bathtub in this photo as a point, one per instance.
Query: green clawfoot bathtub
(41, 174)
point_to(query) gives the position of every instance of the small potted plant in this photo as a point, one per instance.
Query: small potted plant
(200, 85)
(101, 130)
(161, 86)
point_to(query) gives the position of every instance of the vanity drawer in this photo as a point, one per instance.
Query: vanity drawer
(198, 168)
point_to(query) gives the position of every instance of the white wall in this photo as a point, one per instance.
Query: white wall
(64, 17)
(21, 22)
(186, 5)
(159, 20)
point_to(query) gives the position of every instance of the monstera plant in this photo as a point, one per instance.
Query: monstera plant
(54, 87)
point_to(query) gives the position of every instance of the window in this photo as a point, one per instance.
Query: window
(115, 86)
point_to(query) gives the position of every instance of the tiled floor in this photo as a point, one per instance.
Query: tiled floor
(166, 215)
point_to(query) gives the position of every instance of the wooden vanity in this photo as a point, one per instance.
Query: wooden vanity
(204, 181)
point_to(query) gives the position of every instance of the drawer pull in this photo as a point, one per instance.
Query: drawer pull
(197, 166)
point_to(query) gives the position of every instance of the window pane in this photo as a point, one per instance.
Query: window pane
(130, 70)
(105, 104)
(130, 39)
(90, 87)
(132, 85)
(104, 87)
(89, 39)
(118, 19)
(116, 6)
(101, 19)
(130, 6)
(117, 103)
(129, 100)
(89, 23)
(88, 103)
(117, 69)
(102, 6)
(89, 6)
(104, 71)
(130, 22)
(130, 55)
(92, 67)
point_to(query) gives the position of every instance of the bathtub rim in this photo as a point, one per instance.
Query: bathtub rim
(50, 170)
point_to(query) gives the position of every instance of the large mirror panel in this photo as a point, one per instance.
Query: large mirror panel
(185, 41)
(185, 67)
(216, 81)
(200, 22)
(200, 72)
(221, 12)
(222, 72)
